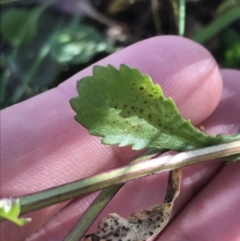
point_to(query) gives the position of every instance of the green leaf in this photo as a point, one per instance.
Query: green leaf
(10, 209)
(77, 45)
(124, 107)
(228, 53)
(19, 27)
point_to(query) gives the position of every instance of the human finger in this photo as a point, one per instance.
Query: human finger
(186, 72)
(214, 213)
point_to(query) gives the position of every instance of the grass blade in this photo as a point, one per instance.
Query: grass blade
(216, 26)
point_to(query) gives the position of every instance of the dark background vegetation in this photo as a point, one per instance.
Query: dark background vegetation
(43, 43)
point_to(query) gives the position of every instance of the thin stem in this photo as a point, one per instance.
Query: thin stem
(99, 203)
(35, 67)
(7, 73)
(121, 175)
(182, 13)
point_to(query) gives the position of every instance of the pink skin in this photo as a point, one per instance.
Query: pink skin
(43, 146)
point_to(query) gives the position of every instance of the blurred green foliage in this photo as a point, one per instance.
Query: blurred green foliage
(42, 46)
(77, 44)
(39, 47)
(228, 53)
(19, 27)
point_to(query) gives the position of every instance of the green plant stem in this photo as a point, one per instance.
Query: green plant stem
(71, 190)
(217, 26)
(7, 73)
(35, 67)
(92, 212)
(41, 56)
(99, 203)
(182, 13)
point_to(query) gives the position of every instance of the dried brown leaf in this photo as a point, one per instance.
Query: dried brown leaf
(141, 224)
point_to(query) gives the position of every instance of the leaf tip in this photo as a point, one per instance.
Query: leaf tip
(10, 210)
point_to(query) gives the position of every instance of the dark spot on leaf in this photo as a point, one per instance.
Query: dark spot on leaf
(132, 107)
(145, 102)
(149, 117)
(141, 110)
(94, 237)
(141, 88)
(105, 225)
(115, 106)
(150, 95)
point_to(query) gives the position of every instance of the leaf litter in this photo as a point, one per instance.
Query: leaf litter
(143, 223)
